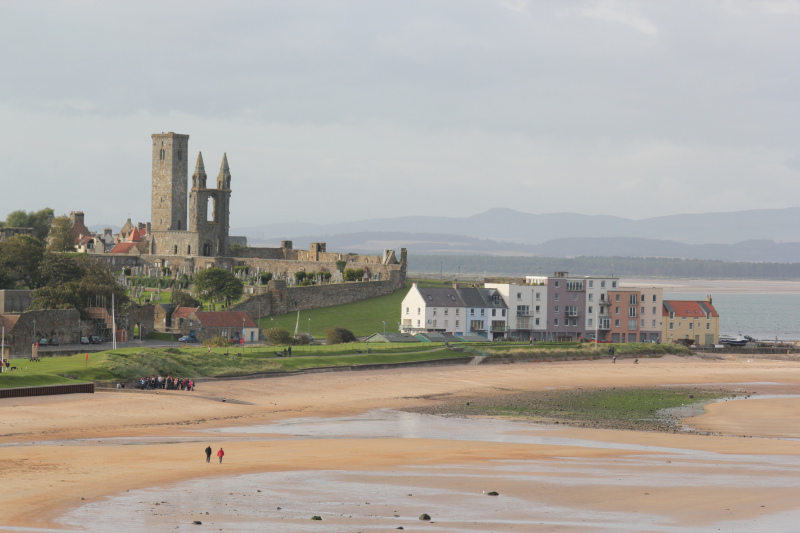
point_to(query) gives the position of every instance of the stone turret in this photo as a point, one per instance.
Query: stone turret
(224, 177)
(199, 177)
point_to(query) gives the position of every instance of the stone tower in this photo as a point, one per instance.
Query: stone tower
(170, 181)
(209, 209)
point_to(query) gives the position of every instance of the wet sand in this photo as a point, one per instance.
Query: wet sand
(327, 444)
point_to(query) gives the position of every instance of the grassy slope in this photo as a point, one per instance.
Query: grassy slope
(362, 318)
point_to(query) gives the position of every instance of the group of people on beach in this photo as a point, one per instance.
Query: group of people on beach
(220, 454)
(167, 383)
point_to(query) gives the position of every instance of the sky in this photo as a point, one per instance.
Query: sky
(333, 111)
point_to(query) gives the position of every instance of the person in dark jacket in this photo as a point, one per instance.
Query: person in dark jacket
(208, 454)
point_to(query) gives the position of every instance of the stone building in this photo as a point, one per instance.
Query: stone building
(205, 232)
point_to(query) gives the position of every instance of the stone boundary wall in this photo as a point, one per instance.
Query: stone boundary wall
(276, 302)
(59, 323)
(286, 267)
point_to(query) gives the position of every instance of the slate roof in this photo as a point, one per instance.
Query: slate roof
(392, 337)
(225, 319)
(461, 297)
(688, 308)
(436, 336)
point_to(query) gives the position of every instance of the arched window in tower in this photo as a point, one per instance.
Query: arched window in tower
(179, 224)
(176, 249)
(194, 182)
(189, 250)
(211, 209)
(207, 249)
(161, 154)
(228, 183)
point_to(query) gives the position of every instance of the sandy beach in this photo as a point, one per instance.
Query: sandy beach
(334, 445)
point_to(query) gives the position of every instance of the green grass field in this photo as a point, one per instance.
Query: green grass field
(130, 364)
(362, 318)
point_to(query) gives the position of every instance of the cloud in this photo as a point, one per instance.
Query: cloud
(625, 13)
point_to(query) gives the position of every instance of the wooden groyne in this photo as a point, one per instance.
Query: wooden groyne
(47, 390)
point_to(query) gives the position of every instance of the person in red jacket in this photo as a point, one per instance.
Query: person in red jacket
(220, 454)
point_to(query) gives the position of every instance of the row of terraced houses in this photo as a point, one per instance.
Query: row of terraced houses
(558, 308)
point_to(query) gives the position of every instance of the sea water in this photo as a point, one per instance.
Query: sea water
(762, 316)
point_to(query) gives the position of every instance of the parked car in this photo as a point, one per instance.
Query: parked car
(187, 338)
(94, 339)
(84, 340)
(42, 342)
(54, 341)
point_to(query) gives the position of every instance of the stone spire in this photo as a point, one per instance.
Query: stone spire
(199, 176)
(224, 178)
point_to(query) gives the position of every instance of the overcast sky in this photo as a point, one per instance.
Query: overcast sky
(335, 111)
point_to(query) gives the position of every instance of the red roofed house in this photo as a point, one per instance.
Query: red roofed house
(689, 319)
(182, 314)
(227, 324)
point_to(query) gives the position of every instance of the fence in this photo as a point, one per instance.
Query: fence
(47, 390)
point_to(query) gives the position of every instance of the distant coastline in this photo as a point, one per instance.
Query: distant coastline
(712, 286)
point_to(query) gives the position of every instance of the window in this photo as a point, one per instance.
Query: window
(537, 308)
(555, 296)
(417, 322)
(458, 322)
(557, 283)
(446, 311)
(654, 310)
(591, 284)
(458, 312)
(672, 315)
(571, 310)
(708, 325)
(408, 309)
(642, 324)
(434, 323)
(191, 323)
(555, 321)
(708, 315)
(591, 296)
(537, 321)
(446, 324)
(590, 309)
(631, 312)
(642, 310)
(519, 296)
(483, 312)
(523, 310)
(556, 309)
(602, 284)
(632, 299)
(574, 321)
(672, 325)
(574, 285)
(590, 323)
(503, 312)
(472, 312)
(434, 311)
(538, 296)
(632, 325)
(654, 297)
(419, 310)
(616, 310)
(494, 312)
(617, 297)
(575, 296)
(616, 323)
(613, 284)
(691, 325)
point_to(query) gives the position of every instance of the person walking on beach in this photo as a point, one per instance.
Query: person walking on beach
(208, 454)
(220, 454)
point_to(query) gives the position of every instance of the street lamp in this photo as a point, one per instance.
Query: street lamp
(384, 326)
(309, 326)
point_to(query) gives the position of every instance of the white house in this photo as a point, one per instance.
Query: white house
(457, 310)
(527, 307)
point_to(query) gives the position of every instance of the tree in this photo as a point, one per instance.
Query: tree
(19, 261)
(339, 335)
(184, 299)
(340, 264)
(352, 274)
(299, 276)
(38, 220)
(219, 285)
(278, 336)
(71, 282)
(60, 239)
(236, 248)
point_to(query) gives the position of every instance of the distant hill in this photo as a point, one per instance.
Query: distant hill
(507, 225)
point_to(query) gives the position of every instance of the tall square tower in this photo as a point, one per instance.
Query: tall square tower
(170, 181)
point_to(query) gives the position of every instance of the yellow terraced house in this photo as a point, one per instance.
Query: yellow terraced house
(688, 319)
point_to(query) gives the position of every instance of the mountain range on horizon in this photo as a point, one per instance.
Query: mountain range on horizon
(769, 235)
